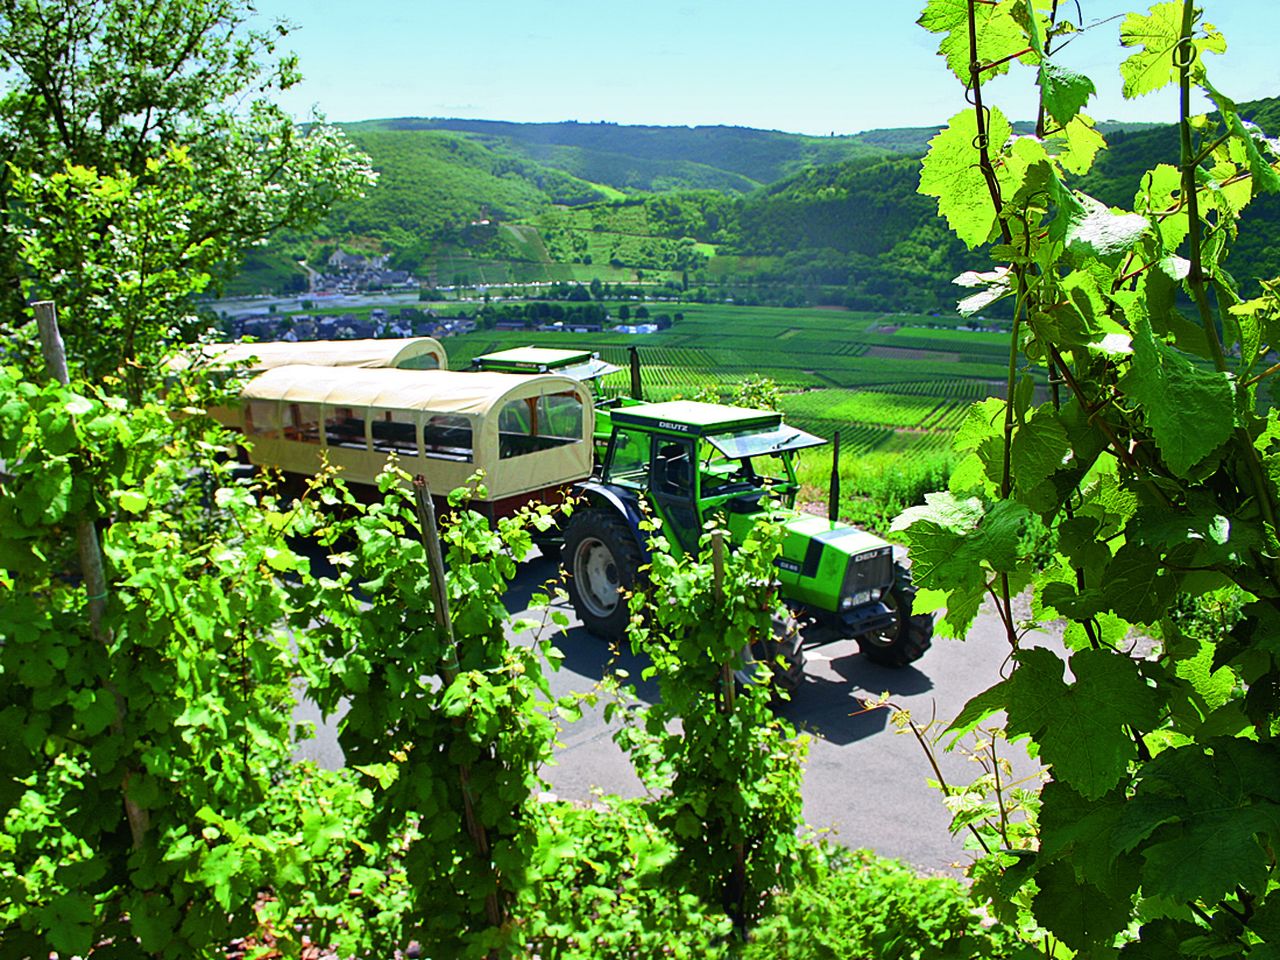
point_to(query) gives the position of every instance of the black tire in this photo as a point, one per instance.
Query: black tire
(601, 558)
(782, 653)
(907, 639)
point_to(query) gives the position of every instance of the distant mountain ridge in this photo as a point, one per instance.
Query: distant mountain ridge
(761, 156)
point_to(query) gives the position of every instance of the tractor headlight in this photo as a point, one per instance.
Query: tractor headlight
(857, 599)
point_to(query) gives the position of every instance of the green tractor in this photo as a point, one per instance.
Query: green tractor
(687, 462)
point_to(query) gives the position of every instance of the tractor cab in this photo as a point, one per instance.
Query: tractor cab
(696, 460)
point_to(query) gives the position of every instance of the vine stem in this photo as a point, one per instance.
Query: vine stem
(90, 552)
(449, 672)
(736, 887)
(927, 747)
(1185, 54)
(993, 189)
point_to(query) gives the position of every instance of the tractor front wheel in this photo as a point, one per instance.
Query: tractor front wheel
(908, 637)
(601, 557)
(782, 654)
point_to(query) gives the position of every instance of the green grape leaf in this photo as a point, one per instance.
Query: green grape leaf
(1080, 914)
(1079, 316)
(69, 920)
(1198, 812)
(1081, 729)
(1062, 91)
(1039, 448)
(1265, 921)
(983, 420)
(1081, 830)
(1157, 197)
(998, 33)
(1109, 501)
(1154, 302)
(1215, 687)
(995, 284)
(1077, 144)
(1264, 177)
(951, 174)
(954, 544)
(1157, 34)
(1138, 587)
(1203, 417)
(1102, 232)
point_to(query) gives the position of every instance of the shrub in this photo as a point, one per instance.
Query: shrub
(599, 889)
(861, 906)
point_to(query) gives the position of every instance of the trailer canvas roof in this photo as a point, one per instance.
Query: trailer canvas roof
(438, 391)
(324, 353)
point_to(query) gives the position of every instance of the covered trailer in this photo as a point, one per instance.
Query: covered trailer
(529, 434)
(411, 353)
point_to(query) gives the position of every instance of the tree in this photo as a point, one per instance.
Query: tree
(117, 117)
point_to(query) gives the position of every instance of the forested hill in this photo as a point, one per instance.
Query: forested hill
(752, 214)
(601, 151)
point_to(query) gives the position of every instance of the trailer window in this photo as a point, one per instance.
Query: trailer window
(342, 428)
(539, 423)
(395, 431)
(560, 415)
(423, 361)
(303, 422)
(448, 437)
(262, 418)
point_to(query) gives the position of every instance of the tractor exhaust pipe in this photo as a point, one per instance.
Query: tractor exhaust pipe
(833, 495)
(636, 392)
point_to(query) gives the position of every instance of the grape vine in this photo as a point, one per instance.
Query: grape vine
(1142, 493)
(731, 775)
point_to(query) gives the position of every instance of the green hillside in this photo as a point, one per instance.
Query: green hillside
(760, 156)
(759, 216)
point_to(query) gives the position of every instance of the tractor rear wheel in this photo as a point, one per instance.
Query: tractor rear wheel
(601, 557)
(908, 637)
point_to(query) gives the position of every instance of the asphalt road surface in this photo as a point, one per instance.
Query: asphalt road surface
(865, 783)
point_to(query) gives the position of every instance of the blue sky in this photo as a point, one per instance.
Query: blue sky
(809, 66)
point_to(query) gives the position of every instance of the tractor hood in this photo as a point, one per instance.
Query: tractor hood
(831, 565)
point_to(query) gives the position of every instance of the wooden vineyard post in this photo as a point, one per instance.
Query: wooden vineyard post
(90, 554)
(736, 882)
(717, 588)
(833, 495)
(449, 672)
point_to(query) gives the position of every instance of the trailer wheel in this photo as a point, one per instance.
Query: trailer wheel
(782, 654)
(908, 637)
(601, 558)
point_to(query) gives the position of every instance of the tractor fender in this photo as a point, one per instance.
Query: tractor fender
(606, 496)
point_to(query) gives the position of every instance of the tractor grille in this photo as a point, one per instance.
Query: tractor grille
(868, 574)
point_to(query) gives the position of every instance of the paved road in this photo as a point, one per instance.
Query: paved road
(864, 782)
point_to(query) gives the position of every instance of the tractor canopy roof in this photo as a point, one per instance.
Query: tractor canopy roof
(579, 364)
(734, 431)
